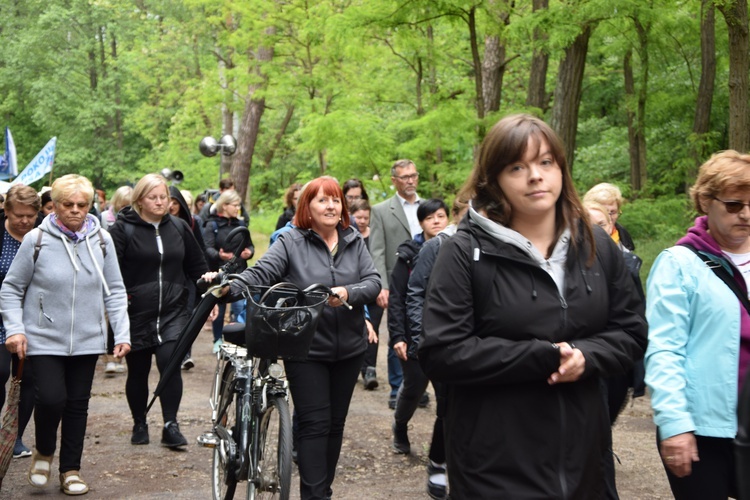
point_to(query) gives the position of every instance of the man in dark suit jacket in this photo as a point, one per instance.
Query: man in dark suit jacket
(391, 223)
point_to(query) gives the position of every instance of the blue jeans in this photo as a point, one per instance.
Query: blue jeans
(236, 313)
(395, 373)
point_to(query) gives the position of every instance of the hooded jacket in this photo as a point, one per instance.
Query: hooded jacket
(59, 302)
(156, 280)
(301, 257)
(406, 259)
(195, 222)
(699, 340)
(490, 326)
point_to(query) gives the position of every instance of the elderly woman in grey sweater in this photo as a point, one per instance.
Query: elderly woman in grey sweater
(62, 284)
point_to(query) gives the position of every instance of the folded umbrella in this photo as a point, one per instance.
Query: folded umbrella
(9, 431)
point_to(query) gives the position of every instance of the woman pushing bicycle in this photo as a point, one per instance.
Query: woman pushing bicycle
(322, 248)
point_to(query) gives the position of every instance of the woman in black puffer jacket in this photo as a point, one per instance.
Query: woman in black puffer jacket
(215, 231)
(156, 252)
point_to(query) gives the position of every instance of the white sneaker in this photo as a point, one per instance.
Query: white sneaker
(217, 345)
(111, 368)
(120, 367)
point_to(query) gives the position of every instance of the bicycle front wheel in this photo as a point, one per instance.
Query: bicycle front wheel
(273, 463)
(223, 479)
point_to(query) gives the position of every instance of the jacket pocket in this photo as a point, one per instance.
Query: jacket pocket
(43, 319)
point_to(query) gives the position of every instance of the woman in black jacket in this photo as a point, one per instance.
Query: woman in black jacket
(215, 231)
(156, 252)
(527, 308)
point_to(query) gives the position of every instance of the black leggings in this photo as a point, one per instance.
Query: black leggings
(321, 392)
(136, 387)
(63, 389)
(26, 405)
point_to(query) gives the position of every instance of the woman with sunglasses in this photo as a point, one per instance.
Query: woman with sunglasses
(699, 333)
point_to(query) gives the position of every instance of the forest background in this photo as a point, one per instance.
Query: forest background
(641, 91)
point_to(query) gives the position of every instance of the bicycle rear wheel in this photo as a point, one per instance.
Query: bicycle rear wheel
(274, 461)
(223, 480)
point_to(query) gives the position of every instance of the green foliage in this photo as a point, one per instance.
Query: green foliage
(665, 217)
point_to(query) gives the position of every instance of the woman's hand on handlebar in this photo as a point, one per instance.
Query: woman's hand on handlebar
(210, 278)
(338, 293)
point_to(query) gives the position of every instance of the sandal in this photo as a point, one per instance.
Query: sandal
(72, 484)
(39, 471)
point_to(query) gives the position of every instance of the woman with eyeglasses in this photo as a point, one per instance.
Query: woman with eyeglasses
(699, 333)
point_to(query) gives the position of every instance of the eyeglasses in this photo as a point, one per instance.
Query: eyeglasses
(614, 213)
(351, 197)
(733, 207)
(405, 178)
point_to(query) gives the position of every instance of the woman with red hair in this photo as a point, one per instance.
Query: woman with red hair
(323, 248)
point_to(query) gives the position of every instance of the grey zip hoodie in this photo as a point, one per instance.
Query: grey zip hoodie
(59, 302)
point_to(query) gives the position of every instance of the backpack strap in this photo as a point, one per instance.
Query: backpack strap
(37, 245)
(482, 273)
(723, 273)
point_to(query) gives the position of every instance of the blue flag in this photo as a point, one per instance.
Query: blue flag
(8, 162)
(39, 166)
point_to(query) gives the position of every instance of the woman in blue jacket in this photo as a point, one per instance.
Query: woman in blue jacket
(699, 333)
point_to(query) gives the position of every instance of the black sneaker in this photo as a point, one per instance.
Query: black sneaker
(370, 378)
(424, 401)
(401, 439)
(392, 402)
(188, 364)
(140, 434)
(435, 490)
(171, 437)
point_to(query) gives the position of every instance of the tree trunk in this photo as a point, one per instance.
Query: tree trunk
(242, 161)
(477, 63)
(641, 173)
(493, 71)
(702, 119)
(735, 14)
(537, 92)
(633, 143)
(279, 135)
(567, 97)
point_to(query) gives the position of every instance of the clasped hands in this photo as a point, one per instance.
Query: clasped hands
(572, 365)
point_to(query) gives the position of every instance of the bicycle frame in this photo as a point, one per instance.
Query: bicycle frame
(251, 387)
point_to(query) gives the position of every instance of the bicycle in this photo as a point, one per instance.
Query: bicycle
(252, 429)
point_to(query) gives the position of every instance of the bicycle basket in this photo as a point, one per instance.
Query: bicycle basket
(281, 322)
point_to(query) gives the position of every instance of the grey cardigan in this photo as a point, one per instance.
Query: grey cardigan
(59, 302)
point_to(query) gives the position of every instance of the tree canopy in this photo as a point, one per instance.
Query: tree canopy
(345, 87)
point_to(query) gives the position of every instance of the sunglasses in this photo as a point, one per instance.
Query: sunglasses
(733, 207)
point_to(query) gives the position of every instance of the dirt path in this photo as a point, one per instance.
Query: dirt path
(367, 469)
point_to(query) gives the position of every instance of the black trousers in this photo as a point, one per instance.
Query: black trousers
(411, 391)
(713, 477)
(136, 386)
(321, 392)
(8, 367)
(62, 385)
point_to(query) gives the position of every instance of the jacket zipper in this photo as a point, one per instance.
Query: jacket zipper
(73, 309)
(161, 261)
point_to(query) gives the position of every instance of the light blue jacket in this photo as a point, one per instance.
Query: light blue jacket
(693, 347)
